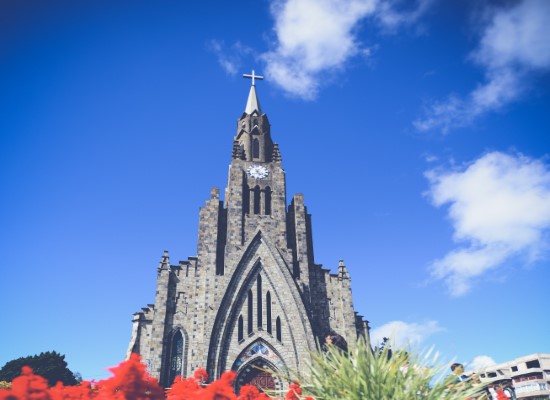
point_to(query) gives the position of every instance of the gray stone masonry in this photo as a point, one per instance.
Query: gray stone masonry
(253, 295)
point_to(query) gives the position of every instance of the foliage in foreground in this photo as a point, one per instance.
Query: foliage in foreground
(365, 375)
(130, 381)
(50, 365)
(334, 375)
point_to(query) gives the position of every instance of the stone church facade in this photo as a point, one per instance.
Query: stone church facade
(253, 295)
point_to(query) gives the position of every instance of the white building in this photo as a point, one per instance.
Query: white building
(528, 375)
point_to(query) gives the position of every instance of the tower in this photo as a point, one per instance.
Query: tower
(253, 295)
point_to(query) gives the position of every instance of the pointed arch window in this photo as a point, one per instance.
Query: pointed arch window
(267, 200)
(268, 311)
(257, 200)
(250, 313)
(176, 357)
(240, 329)
(278, 328)
(259, 302)
(246, 199)
(255, 148)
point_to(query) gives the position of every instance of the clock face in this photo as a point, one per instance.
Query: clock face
(257, 171)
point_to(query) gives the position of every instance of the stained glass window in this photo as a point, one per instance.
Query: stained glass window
(176, 356)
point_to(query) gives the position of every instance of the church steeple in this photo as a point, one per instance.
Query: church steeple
(253, 103)
(253, 141)
(255, 197)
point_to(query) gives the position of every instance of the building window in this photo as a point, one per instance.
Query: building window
(241, 329)
(250, 313)
(268, 311)
(255, 148)
(260, 309)
(533, 364)
(515, 369)
(267, 200)
(257, 200)
(278, 328)
(246, 199)
(176, 357)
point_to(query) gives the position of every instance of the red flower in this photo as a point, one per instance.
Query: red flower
(249, 392)
(228, 377)
(80, 392)
(6, 394)
(201, 375)
(130, 381)
(294, 392)
(222, 389)
(29, 386)
(184, 389)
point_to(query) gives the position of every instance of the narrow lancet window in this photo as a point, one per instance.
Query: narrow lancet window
(267, 200)
(250, 313)
(257, 200)
(176, 357)
(278, 328)
(246, 199)
(240, 328)
(259, 295)
(268, 311)
(255, 148)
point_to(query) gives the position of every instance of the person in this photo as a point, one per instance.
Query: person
(483, 393)
(458, 370)
(334, 339)
(510, 392)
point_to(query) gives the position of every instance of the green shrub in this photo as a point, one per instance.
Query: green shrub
(362, 374)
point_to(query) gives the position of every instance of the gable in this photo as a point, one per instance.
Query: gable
(260, 262)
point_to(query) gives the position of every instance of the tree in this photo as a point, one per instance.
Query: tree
(50, 365)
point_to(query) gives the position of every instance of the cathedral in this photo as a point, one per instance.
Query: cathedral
(252, 300)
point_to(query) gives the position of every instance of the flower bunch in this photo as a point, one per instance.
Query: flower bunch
(130, 381)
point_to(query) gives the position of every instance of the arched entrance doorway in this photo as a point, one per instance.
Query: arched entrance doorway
(262, 379)
(259, 365)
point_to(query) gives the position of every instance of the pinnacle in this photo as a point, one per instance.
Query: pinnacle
(165, 259)
(253, 104)
(342, 270)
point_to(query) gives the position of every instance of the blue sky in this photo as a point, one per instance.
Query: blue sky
(417, 132)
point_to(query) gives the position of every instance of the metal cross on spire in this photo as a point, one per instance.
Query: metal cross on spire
(253, 77)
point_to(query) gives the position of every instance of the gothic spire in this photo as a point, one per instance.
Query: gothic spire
(253, 104)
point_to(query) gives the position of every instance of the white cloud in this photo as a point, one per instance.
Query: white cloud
(391, 17)
(229, 59)
(514, 46)
(479, 363)
(403, 333)
(430, 158)
(317, 37)
(499, 207)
